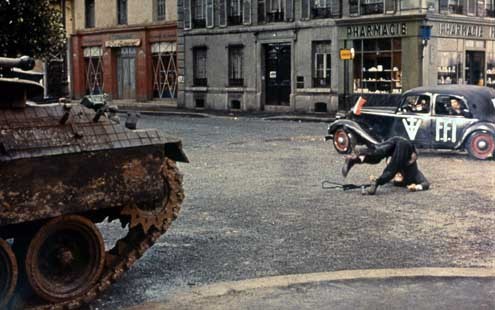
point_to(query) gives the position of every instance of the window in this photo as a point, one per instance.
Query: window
(122, 12)
(325, 8)
(261, 11)
(416, 104)
(378, 66)
(451, 105)
(490, 67)
(235, 66)
(450, 53)
(275, 10)
(164, 70)
(234, 15)
(410, 5)
(322, 59)
(160, 9)
(451, 6)
(199, 66)
(367, 7)
(93, 65)
(490, 8)
(199, 13)
(89, 7)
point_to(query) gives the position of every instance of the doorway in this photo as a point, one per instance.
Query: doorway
(277, 74)
(126, 73)
(475, 68)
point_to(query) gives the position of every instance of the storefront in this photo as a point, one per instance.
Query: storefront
(387, 55)
(132, 63)
(462, 53)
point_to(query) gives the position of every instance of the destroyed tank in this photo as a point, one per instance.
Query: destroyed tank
(63, 169)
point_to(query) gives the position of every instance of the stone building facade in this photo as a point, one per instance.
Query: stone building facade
(124, 48)
(283, 55)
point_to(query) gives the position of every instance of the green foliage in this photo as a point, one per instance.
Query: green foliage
(32, 27)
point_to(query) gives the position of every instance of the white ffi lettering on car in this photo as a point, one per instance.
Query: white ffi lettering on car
(493, 101)
(412, 126)
(443, 128)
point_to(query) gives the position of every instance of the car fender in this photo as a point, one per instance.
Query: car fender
(480, 126)
(353, 127)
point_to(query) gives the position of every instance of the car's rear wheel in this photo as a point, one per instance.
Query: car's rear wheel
(343, 141)
(481, 145)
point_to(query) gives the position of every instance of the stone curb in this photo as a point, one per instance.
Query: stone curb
(224, 288)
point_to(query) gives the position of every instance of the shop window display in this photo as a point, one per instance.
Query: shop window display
(449, 69)
(490, 68)
(378, 66)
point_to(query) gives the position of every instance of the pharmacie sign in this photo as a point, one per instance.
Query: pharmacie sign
(464, 30)
(377, 30)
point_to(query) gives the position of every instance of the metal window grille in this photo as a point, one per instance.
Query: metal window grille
(94, 70)
(160, 10)
(235, 66)
(90, 13)
(164, 56)
(200, 77)
(122, 12)
(322, 64)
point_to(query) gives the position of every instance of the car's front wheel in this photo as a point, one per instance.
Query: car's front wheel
(481, 145)
(343, 141)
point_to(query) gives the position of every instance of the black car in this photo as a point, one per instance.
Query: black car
(443, 117)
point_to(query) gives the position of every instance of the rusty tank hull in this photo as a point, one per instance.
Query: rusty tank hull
(63, 169)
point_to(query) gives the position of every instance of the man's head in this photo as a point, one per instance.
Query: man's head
(455, 104)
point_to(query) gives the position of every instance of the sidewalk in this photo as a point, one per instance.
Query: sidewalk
(416, 288)
(169, 108)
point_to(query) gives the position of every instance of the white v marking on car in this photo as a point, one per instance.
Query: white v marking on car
(412, 126)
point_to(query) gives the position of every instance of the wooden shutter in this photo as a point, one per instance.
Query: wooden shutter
(210, 14)
(222, 12)
(305, 9)
(246, 12)
(186, 4)
(289, 10)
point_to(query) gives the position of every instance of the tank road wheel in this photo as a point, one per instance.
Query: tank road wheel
(8, 272)
(481, 145)
(149, 216)
(343, 141)
(65, 258)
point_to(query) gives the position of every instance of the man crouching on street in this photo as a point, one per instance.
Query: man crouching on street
(402, 167)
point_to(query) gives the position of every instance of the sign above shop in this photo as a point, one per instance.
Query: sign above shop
(461, 30)
(347, 54)
(122, 43)
(377, 30)
(457, 30)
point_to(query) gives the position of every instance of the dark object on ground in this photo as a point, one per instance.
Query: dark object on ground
(425, 117)
(345, 187)
(403, 161)
(65, 168)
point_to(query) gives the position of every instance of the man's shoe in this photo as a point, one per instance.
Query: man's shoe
(350, 161)
(372, 189)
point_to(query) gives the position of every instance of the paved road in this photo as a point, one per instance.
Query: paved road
(255, 208)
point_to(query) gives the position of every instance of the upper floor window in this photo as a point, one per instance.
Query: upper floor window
(89, 10)
(325, 8)
(235, 12)
(367, 7)
(235, 66)
(199, 13)
(275, 10)
(490, 8)
(122, 12)
(160, 9)
(452, 6)
(199, 66)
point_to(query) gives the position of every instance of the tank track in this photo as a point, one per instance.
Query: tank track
(131, 247)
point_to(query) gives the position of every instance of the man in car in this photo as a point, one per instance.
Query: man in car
(402, 165)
